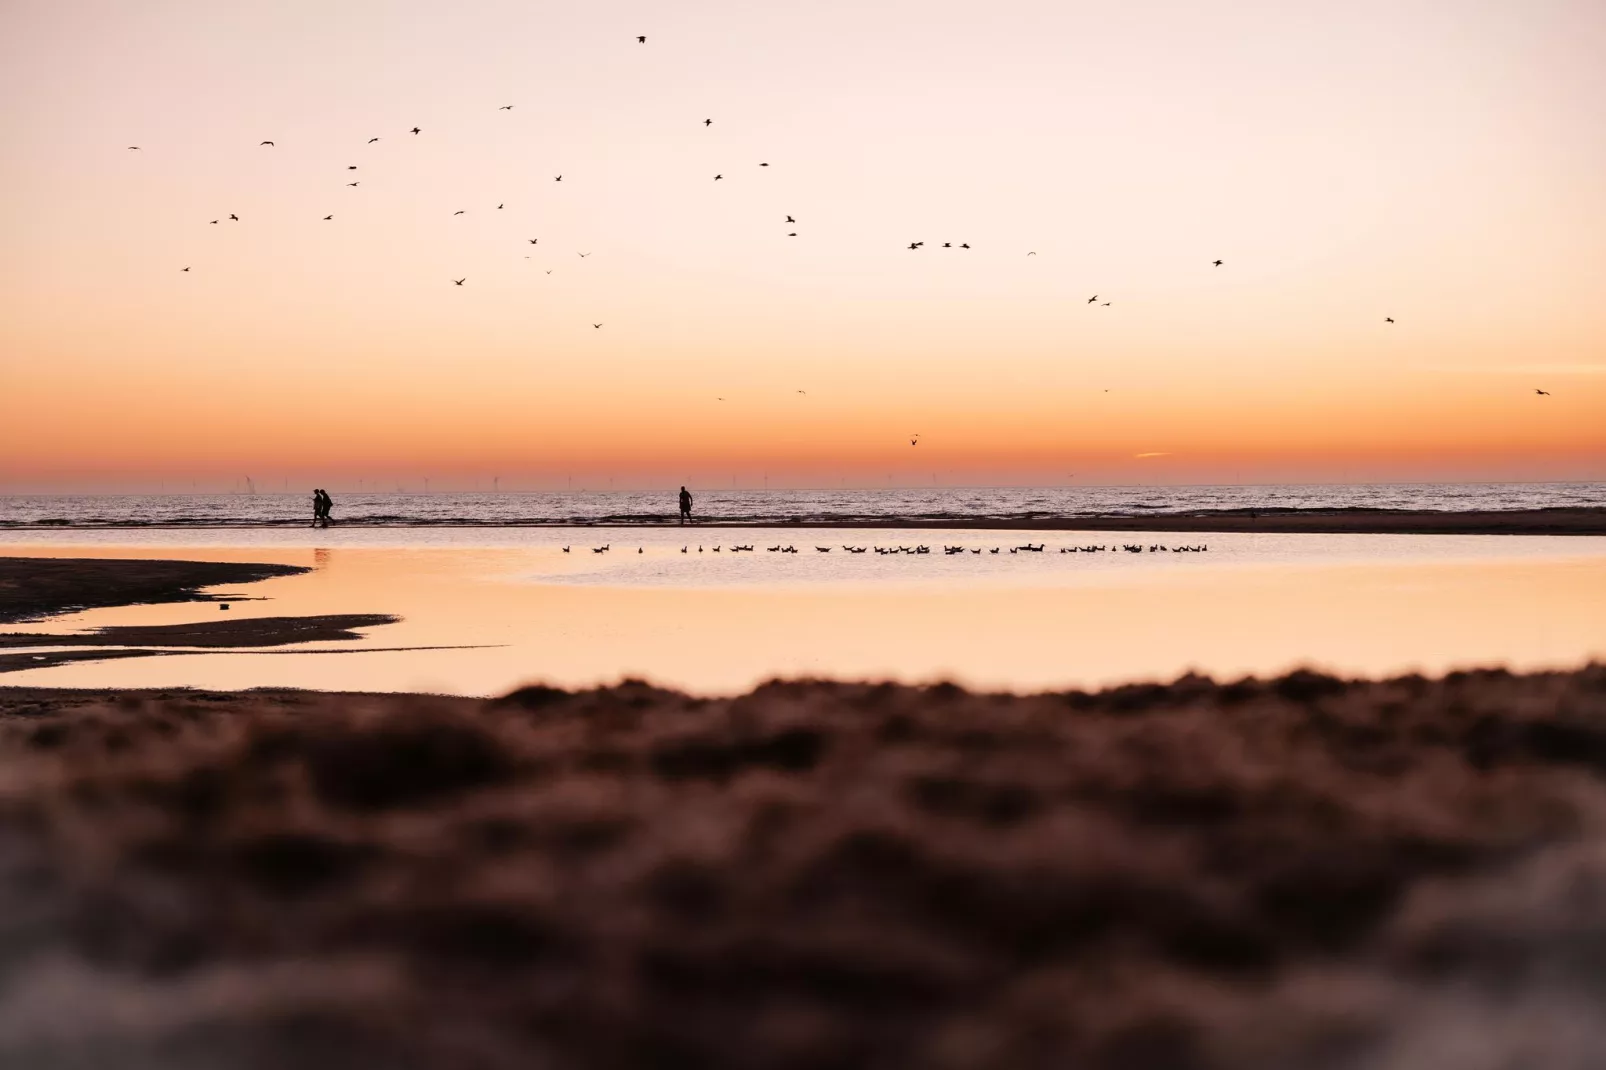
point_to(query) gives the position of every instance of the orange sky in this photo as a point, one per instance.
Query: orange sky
(1437, 162)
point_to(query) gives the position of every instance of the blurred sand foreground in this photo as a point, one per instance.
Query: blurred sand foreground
(1294, 873)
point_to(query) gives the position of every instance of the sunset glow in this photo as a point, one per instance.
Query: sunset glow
(1438, 164)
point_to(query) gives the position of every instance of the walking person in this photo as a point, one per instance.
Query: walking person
(685, 506)
(317, 505)
(328, 504)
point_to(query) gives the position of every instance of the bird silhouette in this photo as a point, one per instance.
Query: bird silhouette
(549, 271)
(802, 391)
(1090, 300)
(718, 177)
(1388, 319)
(1215, 263)
(947, 245)
(505, 107)
(707, 123)
(214, 222)
(234, 217)
(499, 208)
(372, 140)
(641, 40)
(1031, 254)
(353, 183)
(532, 241)
(134, 148)
(583, 255)
(964, 245)
(414, 130)
(916, 244)
(558, 179)
(597, 326)
(260, 144)
(458, 212)
(328, 217)
(351, 167)
(1105, 304)
(1546, 393)
(791, 234)
(461, 281)
(914, 440)
(183, 269)
(763, 165)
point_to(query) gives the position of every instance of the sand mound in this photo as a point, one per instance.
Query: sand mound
(1294, 873)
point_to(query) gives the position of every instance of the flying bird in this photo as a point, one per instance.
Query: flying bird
(763, 165)
(789, 219)
(186, 269)
(1388, 319)
(791, 234)
(328, 217)
(532, 241)
(802, 391)
(505, 107)
(916, 244)
(214, 222)
(1031, 254)
(351, 183)
(234, 217)
(947, 245)
(914, 440)
(718, 177)
(1106, 304)
(707, 123)
(135, 148)
(641, 40)
(414, 130)
(458, 212)
(558, 179)
(461, 281)
(372, 140)
(1546, 393)
(1090, 300)
(598, 326)
(260, 144)
(499, 208)
(351, 167)
(583, 255)
(1215, 263)
(964, 245)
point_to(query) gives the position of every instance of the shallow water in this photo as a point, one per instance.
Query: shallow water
(517, 609)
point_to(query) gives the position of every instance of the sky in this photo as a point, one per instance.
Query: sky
(1438, 162)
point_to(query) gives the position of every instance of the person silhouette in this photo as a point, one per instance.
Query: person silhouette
(685, 505)
(328, 504)
(317, 505)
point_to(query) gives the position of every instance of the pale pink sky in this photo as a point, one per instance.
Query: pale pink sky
(1443, 163)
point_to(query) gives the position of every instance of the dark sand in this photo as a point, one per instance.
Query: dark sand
(1307, 521)
(33, 587)
(1301, 873)
(214, 634)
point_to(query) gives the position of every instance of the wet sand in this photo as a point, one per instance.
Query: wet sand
(1556, 521)
(1262, 874)
(32, 587)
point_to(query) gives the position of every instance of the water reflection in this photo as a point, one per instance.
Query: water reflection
(1253, 604)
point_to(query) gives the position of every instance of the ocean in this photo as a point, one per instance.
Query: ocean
(949, 504)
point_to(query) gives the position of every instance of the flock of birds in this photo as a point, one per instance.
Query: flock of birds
(706, 123)
(950, 551)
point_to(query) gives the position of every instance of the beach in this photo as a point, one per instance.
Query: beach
(1295, 872)
(1248, 872)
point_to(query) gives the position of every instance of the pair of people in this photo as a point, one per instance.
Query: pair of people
(321, 504)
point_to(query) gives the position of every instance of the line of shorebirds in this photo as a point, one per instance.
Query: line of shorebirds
(1029, 548)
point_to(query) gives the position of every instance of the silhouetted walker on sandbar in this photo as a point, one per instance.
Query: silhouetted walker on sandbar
(321, 504)
(685, 505)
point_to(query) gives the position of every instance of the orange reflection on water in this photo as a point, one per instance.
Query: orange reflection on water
(1353, 618)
